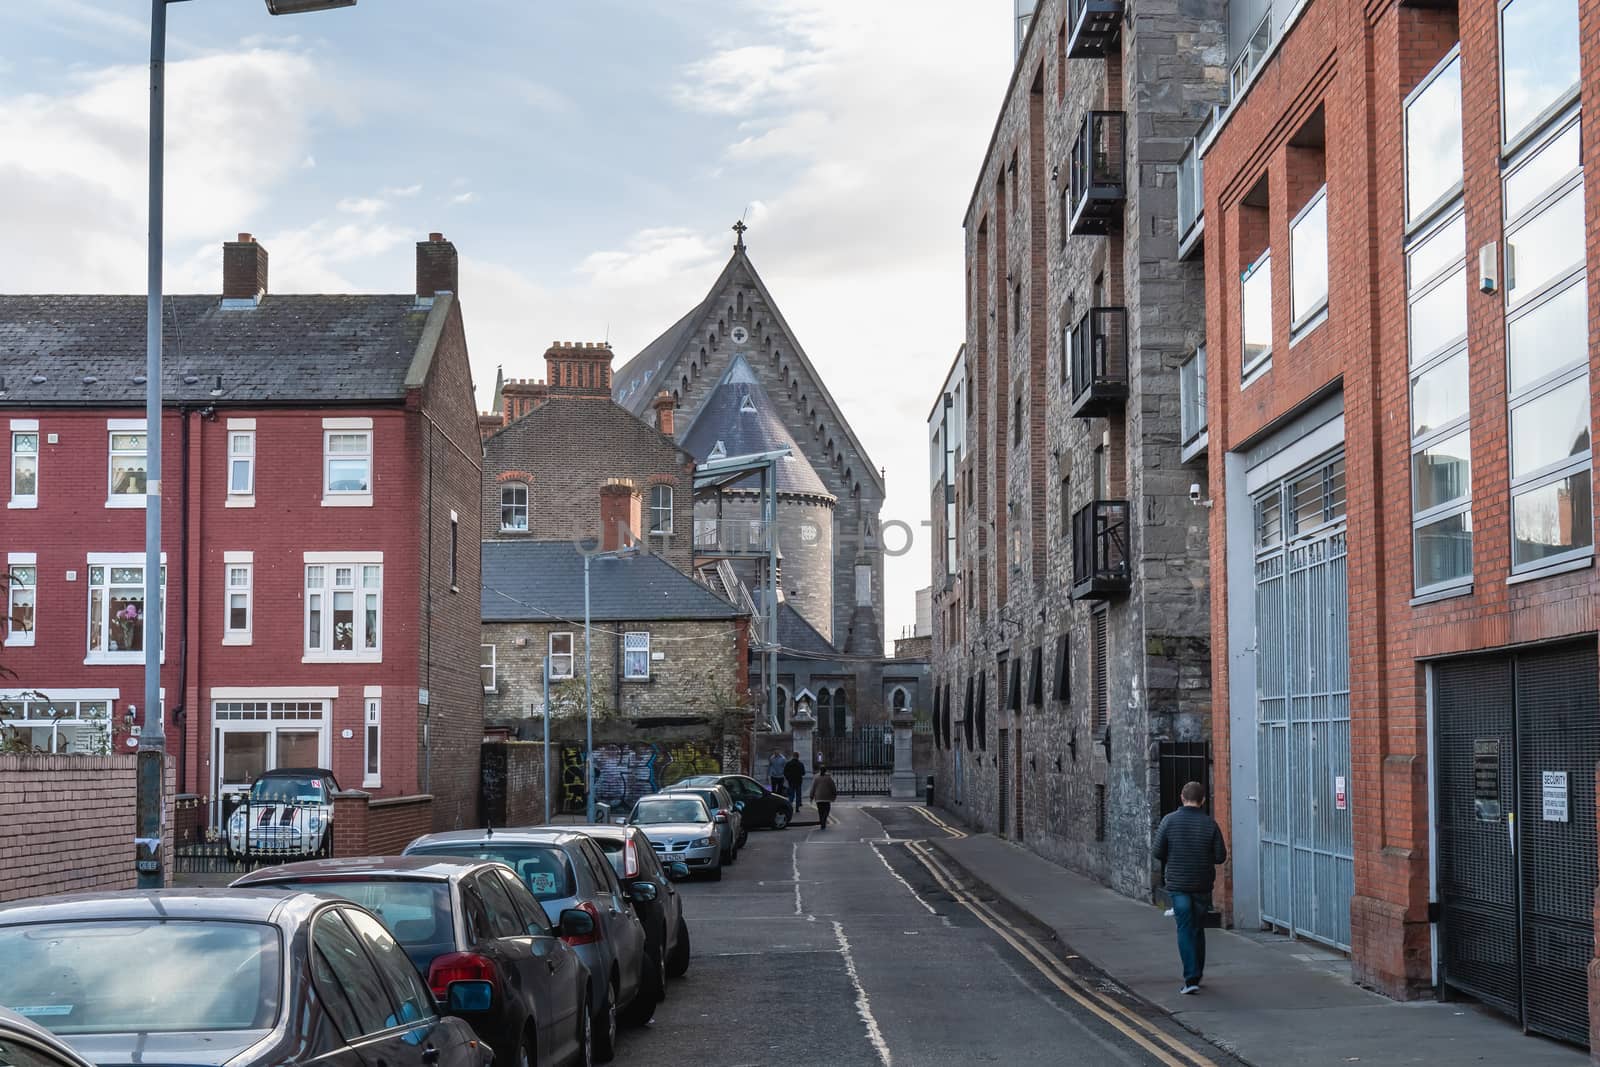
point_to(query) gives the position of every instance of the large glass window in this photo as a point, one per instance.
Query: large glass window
(347, 463)
(1433, 140)
(117, 609)
(241, 462)
(1545, 247)
(636, 655)
(344, 611)
(1547, 338)
(1308, 252)
(1256, 313)
(1439, 315)
(1538, 60)
(561, 655)
(1551, 521)
(33, 722)
(514, 507)
(1550, 428)
(20, 597)
(661, 509)
(24, 468)
(1439, 395)
(128, 460)
(1441, 473)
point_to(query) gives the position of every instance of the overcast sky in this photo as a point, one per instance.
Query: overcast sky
(586, 156)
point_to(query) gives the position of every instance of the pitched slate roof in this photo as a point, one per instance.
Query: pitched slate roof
(738, 416)
(542, 581)
(289, 348)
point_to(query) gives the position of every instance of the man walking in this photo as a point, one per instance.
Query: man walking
(775, 772)
(823, 794)
(794, 772)
(1189, 844)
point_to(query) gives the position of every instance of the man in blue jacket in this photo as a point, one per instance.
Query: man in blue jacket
(1189, 844)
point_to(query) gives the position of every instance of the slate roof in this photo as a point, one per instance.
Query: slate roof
(640, 371)
(542, 581)
(796, 636)
(290, 348)
(739, 415)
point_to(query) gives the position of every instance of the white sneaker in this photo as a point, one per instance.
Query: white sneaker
(1190, 988)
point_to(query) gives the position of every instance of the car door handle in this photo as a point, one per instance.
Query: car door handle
(551, 963)
(430, 1054)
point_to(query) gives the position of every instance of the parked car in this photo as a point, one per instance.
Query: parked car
(656, 899)
(288, 812)
(489, 950)
(680, 827)
(763, 809)
(564, 869)
(724, 812)
(224, 976)
(27, 1044)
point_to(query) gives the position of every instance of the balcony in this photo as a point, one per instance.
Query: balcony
(1100, 563)
(1099, 363)
(1192, 403)
(1094, 27)
(1098, 174)
(1191, 200)
(729, 537)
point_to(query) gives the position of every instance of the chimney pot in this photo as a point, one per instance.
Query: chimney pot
(664, 404)
(245, 238)
(435, 236)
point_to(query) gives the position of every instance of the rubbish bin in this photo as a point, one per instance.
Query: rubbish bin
(930, 791)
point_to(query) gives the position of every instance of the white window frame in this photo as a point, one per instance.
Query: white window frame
(232, 563)
(319, 599)
(24, 428)
(526, 506)
(636, 643)
(663, 530)
(115, 428)
(241, 431)
(554, 657)
(487, 662)
(372, 738)
(57, 702)
(347, 498)
(14, 562)
(108, 560)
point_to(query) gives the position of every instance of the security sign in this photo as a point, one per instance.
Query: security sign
(1554, 788)
(1338, 793)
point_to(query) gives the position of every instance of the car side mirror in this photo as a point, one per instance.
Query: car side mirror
(575, 922)
(642, 892)
(677, 870)
(738, 805)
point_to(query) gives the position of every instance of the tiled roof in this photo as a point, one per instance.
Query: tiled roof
(542, 581)
(630, 385)
(295, 348)
(738, 416)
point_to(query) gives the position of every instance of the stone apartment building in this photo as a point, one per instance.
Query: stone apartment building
(1070, 615)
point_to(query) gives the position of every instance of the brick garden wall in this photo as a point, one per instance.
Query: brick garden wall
(513, 782)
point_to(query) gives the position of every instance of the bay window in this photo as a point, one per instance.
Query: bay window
(344, 608)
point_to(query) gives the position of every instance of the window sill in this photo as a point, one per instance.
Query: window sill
(562, 677)
(1255, 374)
(519, 531)
(1302, 329)
(354, 500)
(236, 639)
(18, 642)
(240, 500)
(125, 501)
(25, 503)
(106, 659)
(646, 680)
(343, 657)
(1553, 569)
(1436, 595)
(371, 783)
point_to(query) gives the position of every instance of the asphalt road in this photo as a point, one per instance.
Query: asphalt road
(844, 947)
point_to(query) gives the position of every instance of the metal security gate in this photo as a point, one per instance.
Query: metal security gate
(1005, 781)
(1517, 741)
(1303, 705)
(861, 760)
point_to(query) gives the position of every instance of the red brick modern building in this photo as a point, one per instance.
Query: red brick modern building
(1397, 236)
(320, 535)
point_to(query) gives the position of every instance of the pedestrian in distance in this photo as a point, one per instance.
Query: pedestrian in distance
(823, 794)
(794, 772)
(1189, 845)
(775, 772)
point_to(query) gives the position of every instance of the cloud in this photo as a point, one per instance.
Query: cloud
(651, 258)
(464, 198)
(540, 97)
(736, 80)
(403, 192)
(361, 205)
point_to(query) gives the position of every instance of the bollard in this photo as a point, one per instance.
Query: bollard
(930, 791)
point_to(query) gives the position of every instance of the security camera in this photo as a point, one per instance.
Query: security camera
(1194, 492)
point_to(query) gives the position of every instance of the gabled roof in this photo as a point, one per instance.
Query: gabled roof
(738, 419)
(542, 581)
(87, 350)
(649, 372)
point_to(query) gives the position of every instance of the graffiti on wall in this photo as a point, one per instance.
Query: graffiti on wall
(624, 773)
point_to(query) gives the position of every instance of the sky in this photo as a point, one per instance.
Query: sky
(586, 157)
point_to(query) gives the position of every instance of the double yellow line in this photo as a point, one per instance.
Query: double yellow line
(1140, 1031)
(940, 823)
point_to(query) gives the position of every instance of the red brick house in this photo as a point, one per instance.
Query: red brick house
(320, 533)
(1400, 359)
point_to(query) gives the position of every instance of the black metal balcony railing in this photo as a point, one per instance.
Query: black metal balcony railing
(1099, 362)
(1094, 27)
(1099, 173)
(1100, 558)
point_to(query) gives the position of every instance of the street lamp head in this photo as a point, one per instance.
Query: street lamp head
(302, 7)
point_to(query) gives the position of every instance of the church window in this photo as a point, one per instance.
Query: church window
(1016, 421)
(694, 370)
(863, 585)
(685, 383)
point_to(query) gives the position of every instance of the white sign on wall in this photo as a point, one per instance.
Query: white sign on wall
(1555, 795)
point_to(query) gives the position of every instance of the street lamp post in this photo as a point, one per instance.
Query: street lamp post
(153, 735)
(588, 683)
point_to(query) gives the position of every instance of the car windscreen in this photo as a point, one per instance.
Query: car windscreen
(142, 975)
(688, 809)
(417, 913)
(283, 789)
(543, 868)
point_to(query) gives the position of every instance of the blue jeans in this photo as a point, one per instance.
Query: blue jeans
(794, 797)
(1190, 911)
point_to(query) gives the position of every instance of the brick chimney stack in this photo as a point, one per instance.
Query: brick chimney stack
(664, 404)
(619, 515)
(436, 267)
(578, 368)
(244, 269)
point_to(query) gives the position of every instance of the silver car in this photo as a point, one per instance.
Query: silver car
(681, 828)
(725, 812)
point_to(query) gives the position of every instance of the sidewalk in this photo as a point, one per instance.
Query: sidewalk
(1268, 999)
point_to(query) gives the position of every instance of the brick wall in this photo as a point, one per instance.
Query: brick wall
(394, 822)
(513, 782)
(69, 824)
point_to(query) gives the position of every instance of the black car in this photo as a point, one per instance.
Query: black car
(763, 809)
(654, 897)
(488, 949)
(238, 977)
(25, 1044)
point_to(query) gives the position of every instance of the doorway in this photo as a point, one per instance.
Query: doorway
(252, 737)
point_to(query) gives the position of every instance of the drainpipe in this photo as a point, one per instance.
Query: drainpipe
(180, 713)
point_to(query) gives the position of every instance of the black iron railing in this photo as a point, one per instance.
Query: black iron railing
(237, 832)
(1100, 362)
(1099, 173)
(1101, 565)
(1094, 26)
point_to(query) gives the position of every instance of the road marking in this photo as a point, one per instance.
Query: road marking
(940, 823)
(795, 853)
(863, 1005)
(1059, 975)
(896, 876)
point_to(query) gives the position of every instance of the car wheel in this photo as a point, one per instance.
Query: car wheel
(652, 982)
(526, 1056)
(730, 857)
(715, 874)
(780, 820)
(678, 962)
(585, 1035)
(744, 835)
(605, 1034)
